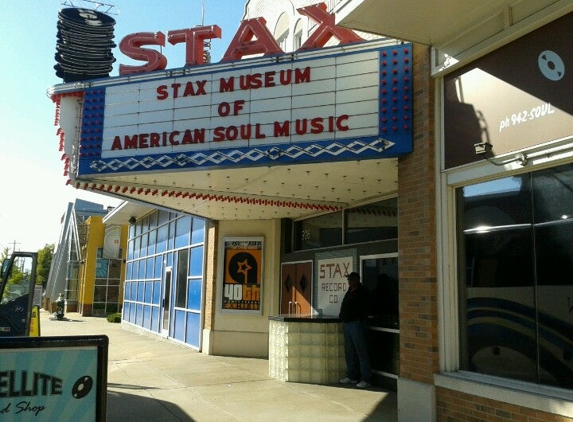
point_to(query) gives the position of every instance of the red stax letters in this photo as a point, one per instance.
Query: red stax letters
(252, 37)
(131, 47)
(241, 45)
(327, 28)
(194, 39)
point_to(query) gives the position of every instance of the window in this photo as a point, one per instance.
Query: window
(183, 228)
(298, 35)
(182, 265)
(298, 40)
(281, 32)
(282, 41)
(367, 223)
(319, 232)
(515, 266)
(198, 233)
(106, 289)
(378, 221)
(159, 276)
(162, 239)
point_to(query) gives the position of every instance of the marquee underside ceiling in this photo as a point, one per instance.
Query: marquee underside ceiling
(257, 193)
(452, 27)
(434, 22)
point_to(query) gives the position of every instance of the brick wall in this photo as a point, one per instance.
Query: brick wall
(210, 302)
(456, 406)
(417, 235)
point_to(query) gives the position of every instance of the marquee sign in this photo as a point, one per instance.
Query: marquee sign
(334, 104)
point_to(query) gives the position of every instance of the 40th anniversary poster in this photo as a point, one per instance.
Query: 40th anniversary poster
(242, 280)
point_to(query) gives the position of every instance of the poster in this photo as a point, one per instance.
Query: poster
(242, 275)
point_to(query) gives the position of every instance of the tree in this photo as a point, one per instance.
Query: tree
(5, 254)
(45, 256)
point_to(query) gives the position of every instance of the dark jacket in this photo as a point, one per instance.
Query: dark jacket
(355, 305)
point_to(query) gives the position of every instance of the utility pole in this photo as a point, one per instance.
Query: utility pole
(14, 243)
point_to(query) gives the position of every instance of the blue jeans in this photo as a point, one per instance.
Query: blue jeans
(356, 352)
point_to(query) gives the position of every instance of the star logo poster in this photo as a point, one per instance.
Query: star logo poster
(243, 274)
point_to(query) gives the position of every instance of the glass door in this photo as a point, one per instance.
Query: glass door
(379, 274)
(166, 302)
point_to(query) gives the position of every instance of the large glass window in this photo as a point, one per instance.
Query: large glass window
(182, 270)
(158, 300)
(106, 289)
(367, 223)
(319, 232)
(182, 231)
(515, 266)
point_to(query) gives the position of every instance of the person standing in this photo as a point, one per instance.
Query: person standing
(353, 314)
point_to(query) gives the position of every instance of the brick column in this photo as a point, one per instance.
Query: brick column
(417, 235)
(210, 303)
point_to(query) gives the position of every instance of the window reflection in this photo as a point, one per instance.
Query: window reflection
(106, 291)
(367, 223)
(373, 222)
(319, 232)
(515, 264)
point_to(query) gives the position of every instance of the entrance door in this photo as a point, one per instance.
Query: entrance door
(166, 302)
(296, 288)
(379, 275)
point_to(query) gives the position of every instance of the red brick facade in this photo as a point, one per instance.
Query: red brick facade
(455, 406)
(210, 301)
(419, 357)
(417, 235)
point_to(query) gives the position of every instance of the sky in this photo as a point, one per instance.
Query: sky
(33, 193)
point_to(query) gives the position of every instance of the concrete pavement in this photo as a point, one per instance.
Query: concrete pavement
(152, 379)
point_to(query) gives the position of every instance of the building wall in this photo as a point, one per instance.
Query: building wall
(95, 241)
(419, 354)
(272, 11)
(211, 262)
(418, 398)
(417, 236)
(458, 406)
(236, 334)
(279, 11)
(157, 242)
(465, 390)
(96, 231)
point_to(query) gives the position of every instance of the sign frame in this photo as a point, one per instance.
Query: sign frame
(40, 354)
(164, 138)
(248, 299)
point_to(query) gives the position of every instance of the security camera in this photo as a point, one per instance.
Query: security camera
(483, 148)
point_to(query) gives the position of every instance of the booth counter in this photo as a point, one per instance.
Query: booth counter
(306, 348)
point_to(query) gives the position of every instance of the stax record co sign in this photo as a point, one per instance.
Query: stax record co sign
(317, 104)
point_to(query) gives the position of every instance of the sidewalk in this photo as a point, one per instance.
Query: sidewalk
(151, 379)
